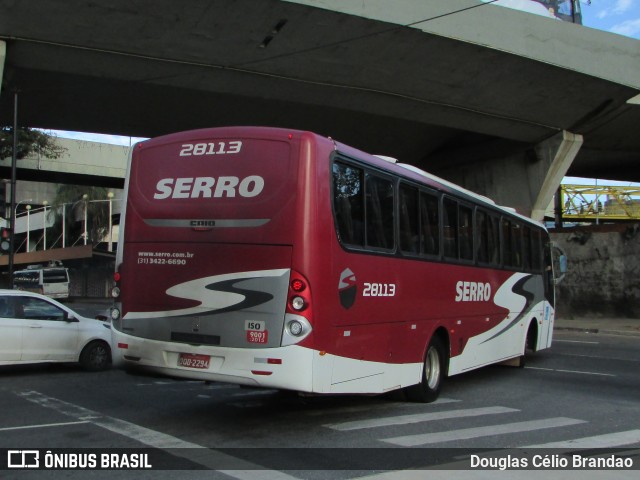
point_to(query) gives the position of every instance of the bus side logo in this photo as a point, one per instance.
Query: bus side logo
(347, 288)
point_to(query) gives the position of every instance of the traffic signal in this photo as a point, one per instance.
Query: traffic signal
(5, 240)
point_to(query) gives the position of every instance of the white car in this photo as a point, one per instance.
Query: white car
(36, 329)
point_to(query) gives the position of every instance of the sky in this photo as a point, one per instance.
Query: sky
(616, 16)
(621, 17)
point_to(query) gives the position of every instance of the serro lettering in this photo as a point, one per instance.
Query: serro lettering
(473, 292)
(209, 187)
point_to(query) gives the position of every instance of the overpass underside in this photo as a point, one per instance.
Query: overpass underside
(502, 102)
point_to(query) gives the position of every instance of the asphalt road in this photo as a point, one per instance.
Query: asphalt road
(582, 393)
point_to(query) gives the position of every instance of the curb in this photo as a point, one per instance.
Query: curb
(598, 330)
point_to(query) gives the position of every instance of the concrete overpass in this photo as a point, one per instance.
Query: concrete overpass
(82, 163)
(498, 100)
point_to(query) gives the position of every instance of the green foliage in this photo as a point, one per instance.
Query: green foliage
(30, 142)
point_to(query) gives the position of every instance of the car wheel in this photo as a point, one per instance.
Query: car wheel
(96, 356)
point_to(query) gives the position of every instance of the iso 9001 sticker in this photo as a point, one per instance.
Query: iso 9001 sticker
(256, 331)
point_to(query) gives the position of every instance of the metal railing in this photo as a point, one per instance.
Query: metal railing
(594, 203)
(38, 221)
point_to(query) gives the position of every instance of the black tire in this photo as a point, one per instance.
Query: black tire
(529, 344)
(531, 339)
(96, 356)
(433, 372)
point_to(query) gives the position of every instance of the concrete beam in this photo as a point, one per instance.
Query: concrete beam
(43, 256)
(556, 155)
(80, 157)
(524, 178)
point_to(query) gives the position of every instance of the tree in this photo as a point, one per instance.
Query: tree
(30, 141)
(72, 199)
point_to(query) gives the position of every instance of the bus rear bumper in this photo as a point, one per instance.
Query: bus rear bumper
(287, 367)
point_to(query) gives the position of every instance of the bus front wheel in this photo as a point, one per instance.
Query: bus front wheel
(433, 371)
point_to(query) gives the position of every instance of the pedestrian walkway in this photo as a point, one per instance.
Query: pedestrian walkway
(615, 326)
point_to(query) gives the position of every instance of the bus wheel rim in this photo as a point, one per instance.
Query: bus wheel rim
(432, 368)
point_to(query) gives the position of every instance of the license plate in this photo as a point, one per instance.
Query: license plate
(191, 360)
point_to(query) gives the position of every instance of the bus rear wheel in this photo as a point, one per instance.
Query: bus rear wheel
(433, 372)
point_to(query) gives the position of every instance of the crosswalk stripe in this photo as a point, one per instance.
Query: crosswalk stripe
(417, 418)
(368, 407)
(191, 451)
(491, 430)
(608, 440)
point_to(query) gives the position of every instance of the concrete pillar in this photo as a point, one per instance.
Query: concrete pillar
(523, 177)
(555, 156)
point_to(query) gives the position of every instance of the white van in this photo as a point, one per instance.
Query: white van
(52, 281)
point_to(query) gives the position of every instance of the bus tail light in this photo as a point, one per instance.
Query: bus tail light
(299, 294)
(297, 322)
(115, 311)
(298, 304)
(295, 328)
(115, 291)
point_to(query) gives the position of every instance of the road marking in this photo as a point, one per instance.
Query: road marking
(608, 440)
(255, 393)
(247, 404)
(572, 371)
(45, 425)
(418, 418)
(488, 431)
(596, 357)
(367, 407)
(575, 341)
(193, 452)
(220, 386)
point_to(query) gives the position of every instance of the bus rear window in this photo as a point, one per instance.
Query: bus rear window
(26, 279)
(238, 189)
(55, 276)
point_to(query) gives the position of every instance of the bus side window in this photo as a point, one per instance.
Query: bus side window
(516, 239)
(482, 227)
(488, 248)
(348, 204)
(526, 248)
(450, 224)
(465, 231)
(430, 223)
(536, 248)
(507, 244)
(379, 212)
(409, 220)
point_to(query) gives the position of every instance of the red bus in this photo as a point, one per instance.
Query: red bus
(284, 259)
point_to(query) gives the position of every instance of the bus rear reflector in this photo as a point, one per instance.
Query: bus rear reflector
(260, 372)
(297, 285)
